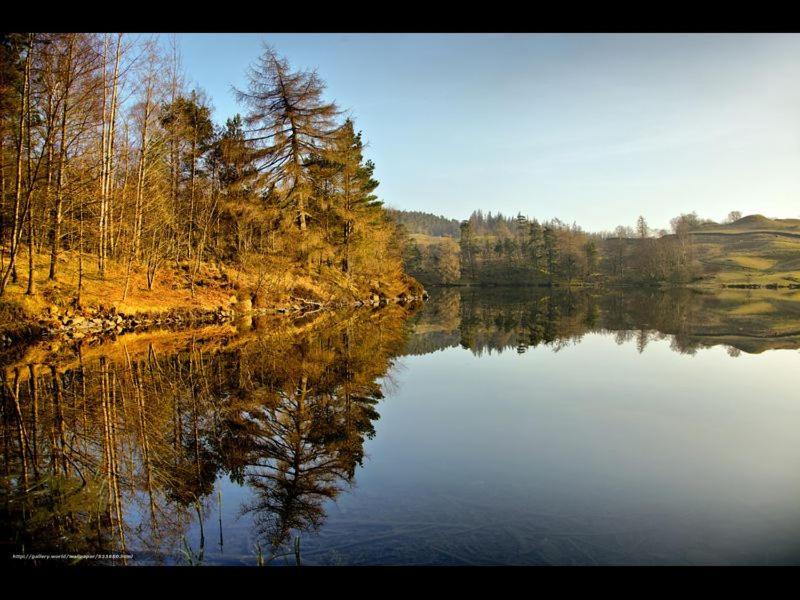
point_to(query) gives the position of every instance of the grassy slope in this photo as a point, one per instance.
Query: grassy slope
(424, 240)
(213, 288)
(753, 250)
(170, 290)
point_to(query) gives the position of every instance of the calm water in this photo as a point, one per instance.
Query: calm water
(493, 426)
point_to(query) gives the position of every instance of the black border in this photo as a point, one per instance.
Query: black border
(402, 18)
(397, 17)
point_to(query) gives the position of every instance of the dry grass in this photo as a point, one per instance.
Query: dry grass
(749, 257)
(170, 290)
(753, 262)
(273, 282)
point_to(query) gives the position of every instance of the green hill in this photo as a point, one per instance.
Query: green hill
(755, 250)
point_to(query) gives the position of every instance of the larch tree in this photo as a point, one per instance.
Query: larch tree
(289, 121)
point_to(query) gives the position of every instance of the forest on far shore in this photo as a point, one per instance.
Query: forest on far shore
(494, 249)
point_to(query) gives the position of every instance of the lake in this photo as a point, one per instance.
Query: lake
(489, 426)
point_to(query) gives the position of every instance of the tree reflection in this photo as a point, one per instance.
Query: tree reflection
(120, 447)
(496, 319)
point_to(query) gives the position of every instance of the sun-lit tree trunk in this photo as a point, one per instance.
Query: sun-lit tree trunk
(107, 146)
(16, 225)
(55, 243)
(29, 204)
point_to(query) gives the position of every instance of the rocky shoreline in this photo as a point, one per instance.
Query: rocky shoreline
(77, 325)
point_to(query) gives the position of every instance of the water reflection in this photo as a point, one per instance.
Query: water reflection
(497, 319)
(125, 447)
(120, 446)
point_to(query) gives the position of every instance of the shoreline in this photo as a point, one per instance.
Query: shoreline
(88, 323)
(697, 286)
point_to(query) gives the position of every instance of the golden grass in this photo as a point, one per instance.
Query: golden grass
(751, 258)
(753, 262)
(753, 308)
(276, 281)
(425, 240)
(170, 290)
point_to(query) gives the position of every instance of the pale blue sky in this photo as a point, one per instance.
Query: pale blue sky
(589, 128)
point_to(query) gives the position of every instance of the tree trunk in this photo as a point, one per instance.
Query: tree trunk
(16, 226)
(55, 244)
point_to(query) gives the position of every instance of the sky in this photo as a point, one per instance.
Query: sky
(593, 129)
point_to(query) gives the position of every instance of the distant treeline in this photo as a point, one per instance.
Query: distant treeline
(421, 222)
(497, 249)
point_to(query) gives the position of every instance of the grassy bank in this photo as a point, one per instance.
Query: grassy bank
(177, 288)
